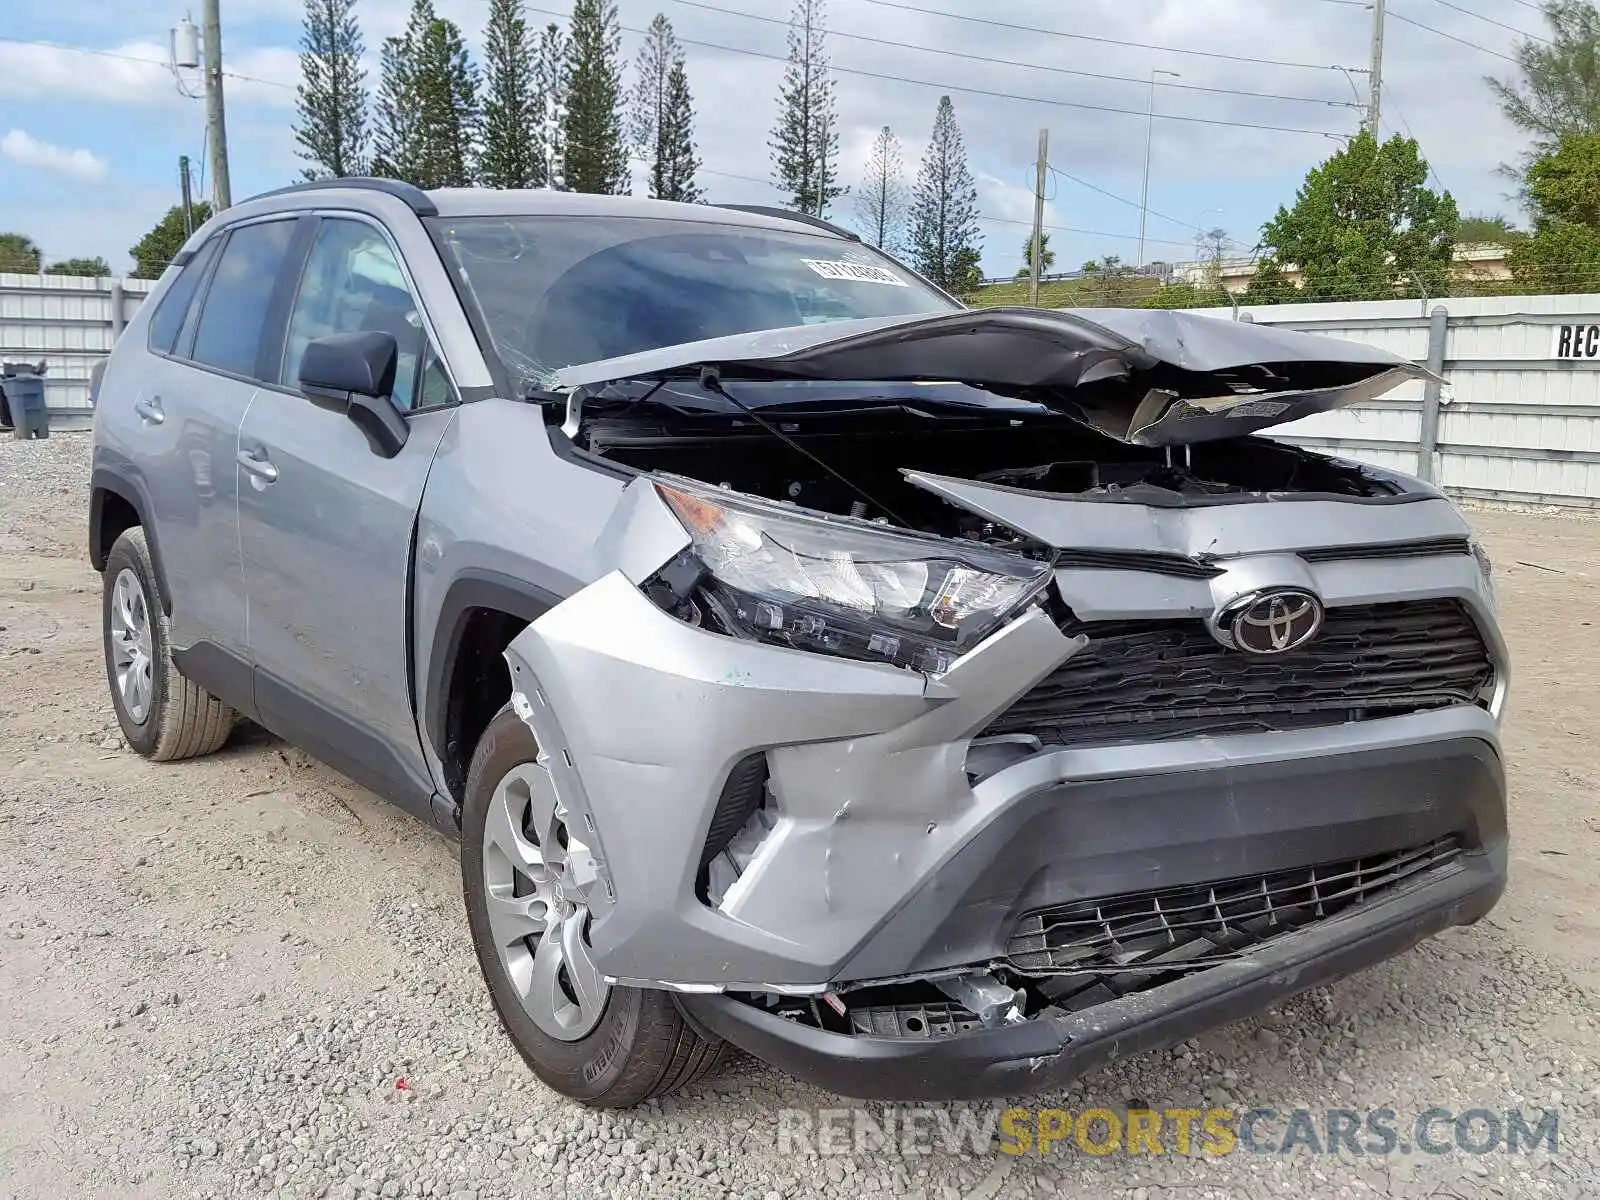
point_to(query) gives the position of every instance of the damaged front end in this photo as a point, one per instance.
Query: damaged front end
(920, 721)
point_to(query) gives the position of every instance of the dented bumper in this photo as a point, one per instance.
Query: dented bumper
(886, 854)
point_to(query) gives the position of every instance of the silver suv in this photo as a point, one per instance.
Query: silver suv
(932, 702)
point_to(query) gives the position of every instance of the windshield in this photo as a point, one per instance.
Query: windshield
(561, 290)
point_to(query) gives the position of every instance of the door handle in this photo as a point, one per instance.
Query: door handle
(150, 411)
(258, 467)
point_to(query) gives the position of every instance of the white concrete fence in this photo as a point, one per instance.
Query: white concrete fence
(1519, 415)
(1518, 419)
(68, 323)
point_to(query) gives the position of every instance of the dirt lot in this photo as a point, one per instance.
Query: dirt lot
(215, 975)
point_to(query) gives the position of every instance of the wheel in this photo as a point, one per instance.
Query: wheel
(162, 714)
(523, 876)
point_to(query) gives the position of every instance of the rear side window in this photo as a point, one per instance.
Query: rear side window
(168, 318)
(235, 308)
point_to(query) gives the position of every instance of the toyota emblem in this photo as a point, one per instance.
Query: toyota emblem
(1271, 621)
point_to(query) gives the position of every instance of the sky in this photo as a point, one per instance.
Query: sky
(92, 122)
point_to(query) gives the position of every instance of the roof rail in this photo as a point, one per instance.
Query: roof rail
(415, 198)
(764, 210)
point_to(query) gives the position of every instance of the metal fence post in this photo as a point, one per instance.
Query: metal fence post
(1428, 436)
(118, 319)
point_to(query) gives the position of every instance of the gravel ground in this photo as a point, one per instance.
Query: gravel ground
(245, 974)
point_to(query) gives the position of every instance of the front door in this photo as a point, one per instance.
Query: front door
(326, 527)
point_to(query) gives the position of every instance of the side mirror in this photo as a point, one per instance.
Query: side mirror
(353, 374)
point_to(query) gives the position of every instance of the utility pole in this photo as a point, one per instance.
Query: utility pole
(188, 199)
(1149, 138)
(216, 121)
(1038, 218)
(1375, 79)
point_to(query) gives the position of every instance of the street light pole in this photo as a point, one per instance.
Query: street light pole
(1149, 137)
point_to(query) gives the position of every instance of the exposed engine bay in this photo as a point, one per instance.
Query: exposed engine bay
(1024, 448)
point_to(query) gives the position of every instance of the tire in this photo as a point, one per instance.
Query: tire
(639, 1046)
(177, 718)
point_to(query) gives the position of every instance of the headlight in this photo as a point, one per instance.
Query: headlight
(840, 588)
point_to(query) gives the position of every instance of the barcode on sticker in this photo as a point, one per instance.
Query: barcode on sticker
(854, 272)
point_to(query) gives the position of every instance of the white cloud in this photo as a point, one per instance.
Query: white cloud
(28, 151)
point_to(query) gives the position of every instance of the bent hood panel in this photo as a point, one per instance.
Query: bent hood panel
(1024, 349)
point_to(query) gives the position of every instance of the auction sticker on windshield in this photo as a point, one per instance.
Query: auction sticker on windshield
(854, 272)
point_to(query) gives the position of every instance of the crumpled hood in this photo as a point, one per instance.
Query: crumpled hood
(1149, 377)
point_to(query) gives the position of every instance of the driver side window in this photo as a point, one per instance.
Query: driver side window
(352, 282)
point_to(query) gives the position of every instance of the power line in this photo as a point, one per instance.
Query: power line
(1010, 63)
(1490, 20)
(133, 58)
(1438, 32)
(974, 91)
(1094, 187)
(1394, 102)
(1085, 37)
(1124, 237)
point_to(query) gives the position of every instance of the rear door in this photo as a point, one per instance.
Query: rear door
(206, 340)
(326, 524)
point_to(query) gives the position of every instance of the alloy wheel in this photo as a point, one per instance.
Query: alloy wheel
(131, 654)
(536, 877)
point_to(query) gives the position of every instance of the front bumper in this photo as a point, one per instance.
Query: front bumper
(883, 858)
(1049, 1050)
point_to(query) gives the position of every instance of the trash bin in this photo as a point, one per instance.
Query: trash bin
(23, 384)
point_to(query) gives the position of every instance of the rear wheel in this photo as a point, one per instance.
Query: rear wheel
(524, 878)
(163, 715)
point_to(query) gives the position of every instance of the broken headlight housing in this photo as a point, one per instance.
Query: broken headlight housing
(779, 575)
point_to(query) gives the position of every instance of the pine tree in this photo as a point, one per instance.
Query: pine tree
(661, 121)
(396, 128)
(332, 98)
(549, 99)
(805, 141)
(511, 122)
(427, 104)
(447, 87)
(596, 156)
(881, 199)
(944, 213)
(677, 164)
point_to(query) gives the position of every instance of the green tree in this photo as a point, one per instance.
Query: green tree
(1365, 225)
(1558, 89)
(427, 104)
(332, 100)
(160, 246)
(805, 141)
(1563, 252)
(596, 154)
(1047, 256)
(1483, 229)
(944, 235)
(1107, 283)
(88, 268)
(19, 254)
(549, 102)
(512, 122)
(661, 119)
(882, 197)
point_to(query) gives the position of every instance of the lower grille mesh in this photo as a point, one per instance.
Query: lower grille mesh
(1091, 951)
(1164, 679)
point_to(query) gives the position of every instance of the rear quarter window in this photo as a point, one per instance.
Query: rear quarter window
(167, 320)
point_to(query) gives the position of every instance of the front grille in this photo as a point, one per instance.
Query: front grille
(1163, 679)
(1090, 951)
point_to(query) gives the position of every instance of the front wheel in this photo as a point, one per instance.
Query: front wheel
(523, 877)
